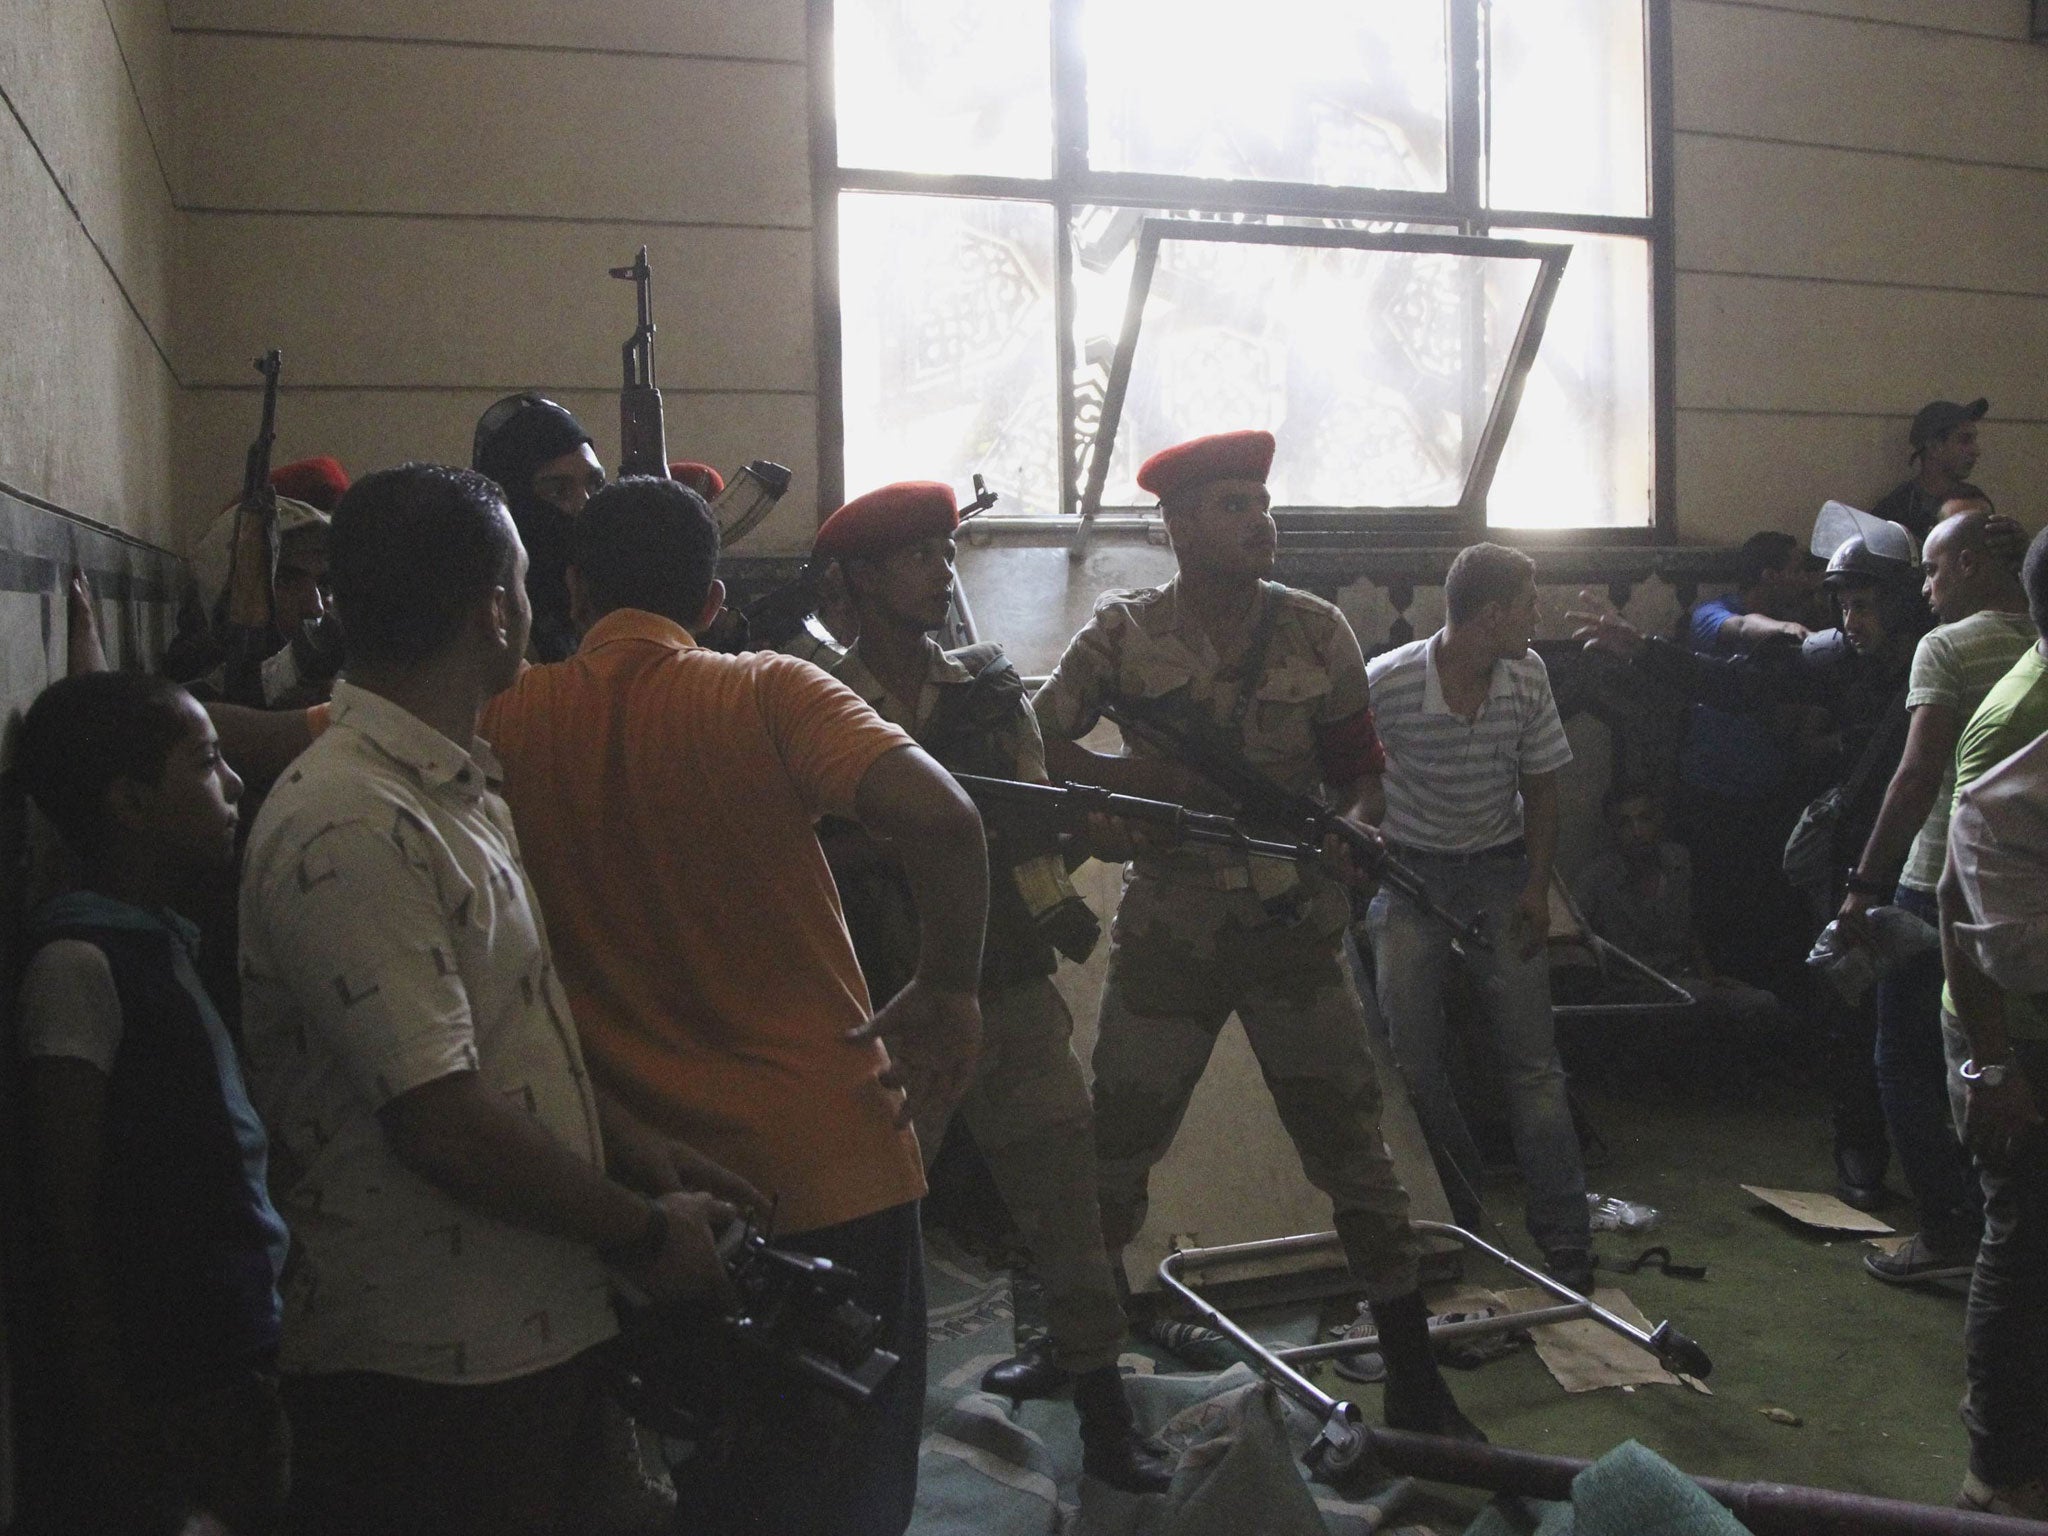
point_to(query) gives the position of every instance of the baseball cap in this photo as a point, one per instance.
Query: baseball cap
(1940, 416)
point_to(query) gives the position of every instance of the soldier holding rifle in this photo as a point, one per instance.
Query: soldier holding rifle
(1205, 932)
(1028, 1106)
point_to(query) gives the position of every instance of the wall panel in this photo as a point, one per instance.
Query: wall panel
(1788, 344)
(1989, 18)
(142, 28)
(85, 401)
(407, 301)
(61, 68)
(756, 29)
(1776, 74)
(1793, 210)
(376, 127)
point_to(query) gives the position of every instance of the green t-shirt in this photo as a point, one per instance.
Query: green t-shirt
(2013, 713)
(1956, 666)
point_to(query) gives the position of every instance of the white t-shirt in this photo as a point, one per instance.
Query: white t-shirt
(69, 1006)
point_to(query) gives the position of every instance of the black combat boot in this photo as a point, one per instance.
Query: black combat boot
(1027, 1375)
(1416, 1396)
(1111, 1447)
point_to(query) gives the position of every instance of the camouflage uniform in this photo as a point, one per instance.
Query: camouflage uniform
(1028, 1106)
(1203, 933)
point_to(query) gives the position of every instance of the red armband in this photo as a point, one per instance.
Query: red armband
(1350, 748)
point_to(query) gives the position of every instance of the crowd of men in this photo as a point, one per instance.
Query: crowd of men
(338, 1238)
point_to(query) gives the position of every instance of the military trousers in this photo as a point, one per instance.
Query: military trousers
(1028, 1109)
(1183, 959)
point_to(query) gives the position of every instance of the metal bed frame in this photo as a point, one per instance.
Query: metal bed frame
(1347, 1445)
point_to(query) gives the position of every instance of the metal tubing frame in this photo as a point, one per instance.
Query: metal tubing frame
(1347, 1441)
(1679, 996)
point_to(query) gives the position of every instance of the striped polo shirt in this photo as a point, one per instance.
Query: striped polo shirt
(1454, 785)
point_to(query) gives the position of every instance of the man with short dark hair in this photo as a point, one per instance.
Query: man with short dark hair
(438, 1145)
(666, 796)
(1944, 443)
(544, 462)
(1028, 1108)
(1638, 896)
(1984, 628)
(1275, 675)
(1474, 745)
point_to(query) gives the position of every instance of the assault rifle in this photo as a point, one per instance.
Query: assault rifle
(1305, 820)
(643, 445)
(1068, 806)
(749, 496)
(252, 548)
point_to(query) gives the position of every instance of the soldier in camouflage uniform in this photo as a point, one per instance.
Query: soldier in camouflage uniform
(1028, 1107)
(1203, 933)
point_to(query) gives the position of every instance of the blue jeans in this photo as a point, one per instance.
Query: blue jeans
(1912, 1085)
(1412, 959)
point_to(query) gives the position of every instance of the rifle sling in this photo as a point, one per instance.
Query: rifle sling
(1252, 671)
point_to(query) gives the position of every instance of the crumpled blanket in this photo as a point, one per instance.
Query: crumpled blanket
(1631, 1491)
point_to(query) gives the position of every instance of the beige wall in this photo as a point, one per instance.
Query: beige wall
(1862, 209)
(429, 226)
(87, 248)
(417, 203)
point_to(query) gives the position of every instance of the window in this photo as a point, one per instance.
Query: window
(990, 172)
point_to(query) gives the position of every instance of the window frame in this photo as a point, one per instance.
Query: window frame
(1074, 184)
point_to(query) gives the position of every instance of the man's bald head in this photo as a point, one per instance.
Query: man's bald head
(1960, 530)
(1964, 572)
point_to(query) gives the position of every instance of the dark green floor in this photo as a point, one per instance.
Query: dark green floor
(1788, 1315)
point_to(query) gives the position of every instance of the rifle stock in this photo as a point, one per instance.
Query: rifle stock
(643, 438)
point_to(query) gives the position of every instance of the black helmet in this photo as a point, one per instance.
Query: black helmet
(1856, 562)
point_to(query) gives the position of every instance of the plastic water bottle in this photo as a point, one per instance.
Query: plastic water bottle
(1611, 1214)
(1849, 969)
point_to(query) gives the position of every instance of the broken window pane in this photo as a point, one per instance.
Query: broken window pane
(1580, 455)
(948, 360)
(1376, 370)
(1327, 92)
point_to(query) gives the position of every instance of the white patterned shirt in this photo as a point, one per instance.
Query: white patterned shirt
(390, 938)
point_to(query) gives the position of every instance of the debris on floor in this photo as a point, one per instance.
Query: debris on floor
(1583, 1355)
(1812, 1209)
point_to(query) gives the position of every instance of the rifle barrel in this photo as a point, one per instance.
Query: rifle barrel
(1074, 803)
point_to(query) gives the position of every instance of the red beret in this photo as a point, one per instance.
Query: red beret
(1225, 456)
(319, 482)
(701, 478)
(887, 519)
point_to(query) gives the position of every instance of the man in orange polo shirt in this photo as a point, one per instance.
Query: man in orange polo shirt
(665, 797)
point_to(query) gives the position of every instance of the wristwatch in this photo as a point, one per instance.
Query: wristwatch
(1865, 885)
(1992, 1074)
